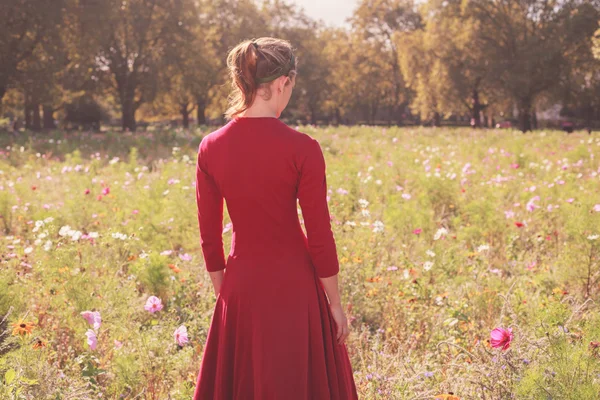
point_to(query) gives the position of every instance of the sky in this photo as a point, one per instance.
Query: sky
(332, 12)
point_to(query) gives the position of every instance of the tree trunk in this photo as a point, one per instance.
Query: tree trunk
(338, 117)
(313, 115)
(437, 119)
(48, 117)
(201, 110)
(534, 120)
(128, 114)
(185, 115)
(28, 114)
(525, 115)
(476, 109)
(37, 121)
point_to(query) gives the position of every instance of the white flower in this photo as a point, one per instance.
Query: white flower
(93, 235)
(427, 265)
(65, 231)
(378, 226)
(593, 237)
(75, 235)
(363, 203)
(118, 235)
(351, 223)
(365, 212)
(439, 233)
(483, 247)
(28, 250)
(430, 253)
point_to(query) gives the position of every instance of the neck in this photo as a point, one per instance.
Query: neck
(259, 110)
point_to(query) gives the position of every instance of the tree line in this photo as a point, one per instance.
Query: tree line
(397, 62)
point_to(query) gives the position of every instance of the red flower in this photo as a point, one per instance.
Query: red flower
(501, 337)
(519, 224)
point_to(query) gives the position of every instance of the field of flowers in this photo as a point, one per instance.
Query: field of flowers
(470, 263)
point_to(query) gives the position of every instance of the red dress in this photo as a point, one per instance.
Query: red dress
(272, 335)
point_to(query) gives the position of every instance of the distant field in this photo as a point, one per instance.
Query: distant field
(443, 235)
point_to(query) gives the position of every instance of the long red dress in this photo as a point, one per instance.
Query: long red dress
(272, 335)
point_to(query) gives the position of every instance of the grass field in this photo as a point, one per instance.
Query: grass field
(443, 235)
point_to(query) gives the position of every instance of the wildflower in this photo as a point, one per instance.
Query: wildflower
(118, 344)
(378, 226)
(406, 196)
(418, 231)
(501, 337)
(93, 318)
(92, 340)
(39, 344)
(363, 203)
(180, 335)
(593, 237)
(509, 214)
(185, 257)
(153, 304)
(483, 247)
(427, 265)
(531, 204)
(596, 208)
(392, 268)
(21, 328)
(439, 233)
(519, 224)
(430, 253)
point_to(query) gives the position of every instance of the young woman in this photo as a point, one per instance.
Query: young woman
(274, 335)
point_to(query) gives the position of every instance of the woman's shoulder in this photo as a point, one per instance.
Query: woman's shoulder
(301, 138)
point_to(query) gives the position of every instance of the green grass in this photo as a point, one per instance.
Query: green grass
(421, 309)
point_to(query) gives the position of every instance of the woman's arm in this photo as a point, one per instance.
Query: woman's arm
(210, 221)
(312, 194)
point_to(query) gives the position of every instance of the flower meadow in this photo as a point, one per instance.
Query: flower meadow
(470, 263)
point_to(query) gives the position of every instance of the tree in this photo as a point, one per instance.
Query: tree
(527, 46)
(131, 39)
(380, 21)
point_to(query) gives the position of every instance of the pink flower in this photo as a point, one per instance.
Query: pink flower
(531, 204)
(185, 257)
(106, 191)
(153, 304)
(406, 196)
(93, 318)
(597, 208)
(92, 341)
(514, 166)
(118, 344)
(501, 337)
(509, 214)
(180, 335)
(87, 191)
(570, 200)
(417, 231)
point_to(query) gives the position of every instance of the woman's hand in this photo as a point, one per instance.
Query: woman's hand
(340, 321)
(217, 279)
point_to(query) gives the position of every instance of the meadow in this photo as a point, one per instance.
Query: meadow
(470, 263)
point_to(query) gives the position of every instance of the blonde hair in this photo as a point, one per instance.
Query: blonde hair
(252, 62)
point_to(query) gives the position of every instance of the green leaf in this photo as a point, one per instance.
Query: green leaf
(9, 376)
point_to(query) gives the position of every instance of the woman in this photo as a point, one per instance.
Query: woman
(274, 335)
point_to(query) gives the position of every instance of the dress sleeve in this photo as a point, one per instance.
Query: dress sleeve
(312, 194)
(210, 216)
